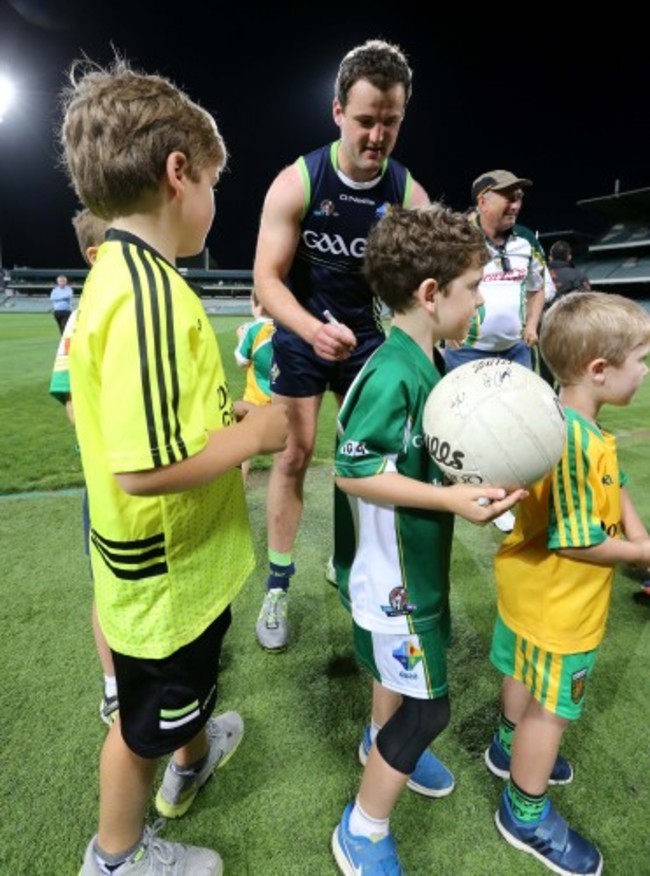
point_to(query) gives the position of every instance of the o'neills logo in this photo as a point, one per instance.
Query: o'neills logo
(357, 200)
(333, 244)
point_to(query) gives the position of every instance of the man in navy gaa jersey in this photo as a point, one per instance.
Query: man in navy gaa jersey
(312, 237)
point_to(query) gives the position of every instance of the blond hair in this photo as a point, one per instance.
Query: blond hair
(120, 126)
(90, 230)
(583, 326)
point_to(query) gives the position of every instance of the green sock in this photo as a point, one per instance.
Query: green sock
(524, 806)
(279, 559)
(505, 733)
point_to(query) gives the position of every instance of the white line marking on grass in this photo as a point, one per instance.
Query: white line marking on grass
(43, 494)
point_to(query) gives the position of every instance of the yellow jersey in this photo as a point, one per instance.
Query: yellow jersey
(148, 385)
(561, 604)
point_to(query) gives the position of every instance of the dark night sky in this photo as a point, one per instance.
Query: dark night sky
(568, 109)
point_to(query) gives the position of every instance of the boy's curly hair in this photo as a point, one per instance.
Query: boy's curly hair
(407, 247)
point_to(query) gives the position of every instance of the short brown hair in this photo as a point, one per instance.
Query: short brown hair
(90, 229)
(407, 247)
(382, 64)
(118, 129)
(583, 326)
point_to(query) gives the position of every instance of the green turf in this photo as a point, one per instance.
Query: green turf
(270, 812)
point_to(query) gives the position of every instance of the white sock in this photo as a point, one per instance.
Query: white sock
(110, 686)
(374, 829)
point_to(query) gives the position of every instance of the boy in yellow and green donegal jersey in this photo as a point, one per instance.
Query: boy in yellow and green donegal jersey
(555, 571)
(170, 539)
(254, 353)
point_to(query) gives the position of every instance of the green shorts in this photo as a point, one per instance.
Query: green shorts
(557, 681)
(414, 665)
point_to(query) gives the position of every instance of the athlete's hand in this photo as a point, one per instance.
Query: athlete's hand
(334, 343)
(271, 426)
(481, 505)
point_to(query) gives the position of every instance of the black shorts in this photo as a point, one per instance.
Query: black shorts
(297, 372)
(165, 703)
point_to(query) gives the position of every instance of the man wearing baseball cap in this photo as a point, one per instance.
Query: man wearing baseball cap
(514, 285)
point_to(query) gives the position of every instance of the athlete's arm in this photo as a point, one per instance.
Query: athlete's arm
(277, 242)
(419, 197)
(263, 430)
(392, 488)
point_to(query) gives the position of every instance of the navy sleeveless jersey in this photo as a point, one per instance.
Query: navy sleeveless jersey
(326, 271)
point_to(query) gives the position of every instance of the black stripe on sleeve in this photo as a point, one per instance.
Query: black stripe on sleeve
(145, 377)
(152, 291)
(173, 365)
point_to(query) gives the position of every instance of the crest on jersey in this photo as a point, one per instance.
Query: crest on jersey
(325, 208)
(399, 604)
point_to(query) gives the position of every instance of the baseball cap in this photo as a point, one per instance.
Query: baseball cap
(495, 180)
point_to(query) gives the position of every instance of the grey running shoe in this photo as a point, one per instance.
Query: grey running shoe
(177, 791)
(158, 857)
(109, 709)
(272, 627)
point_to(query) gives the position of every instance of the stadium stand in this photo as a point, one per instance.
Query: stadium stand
(214, 283)
(617, 258)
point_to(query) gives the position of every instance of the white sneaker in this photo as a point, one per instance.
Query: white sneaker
(505, 522)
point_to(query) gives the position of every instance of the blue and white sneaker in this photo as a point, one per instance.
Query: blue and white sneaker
(430, 777)
(551, 841)
(498, 762)
(358, 856)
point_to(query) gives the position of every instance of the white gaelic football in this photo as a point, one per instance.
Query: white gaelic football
(495, 422)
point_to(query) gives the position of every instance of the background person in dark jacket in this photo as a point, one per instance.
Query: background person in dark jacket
(566, 278)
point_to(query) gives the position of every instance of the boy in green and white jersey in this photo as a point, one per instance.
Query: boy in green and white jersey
(393, 534)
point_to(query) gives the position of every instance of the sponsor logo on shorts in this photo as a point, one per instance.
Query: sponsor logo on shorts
(275, 372)
(408, 656)
(578, 685)
(399, 604)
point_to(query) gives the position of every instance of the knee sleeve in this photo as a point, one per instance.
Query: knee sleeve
(411, 730)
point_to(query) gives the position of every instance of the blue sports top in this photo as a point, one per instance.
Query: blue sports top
(326, 271)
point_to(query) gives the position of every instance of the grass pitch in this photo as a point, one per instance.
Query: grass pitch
(271, 810)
